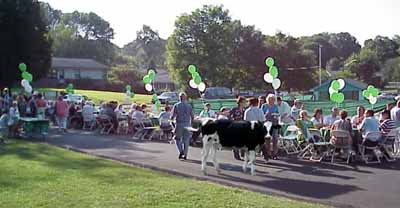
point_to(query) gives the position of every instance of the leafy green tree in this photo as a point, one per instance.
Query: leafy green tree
(334, 64)
(365, 65)
(23, 38)
(384, 47)
(345, 44)
(148, 49)
(391, 70)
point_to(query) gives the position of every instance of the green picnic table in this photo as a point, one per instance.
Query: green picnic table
(35, 126)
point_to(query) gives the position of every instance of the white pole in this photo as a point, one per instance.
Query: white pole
(320, 65)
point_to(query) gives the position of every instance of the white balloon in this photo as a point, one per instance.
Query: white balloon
(276, 83)
(202, 87)
(28, 89)
(342, 83)
(373, 100)
(148, 87)
(268, 78)
(192, 84)
(331, 90)
(24, 83)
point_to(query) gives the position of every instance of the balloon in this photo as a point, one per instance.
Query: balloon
(202, 87)
(22, 67)
(335, 85)
(340, 98)
(27, 76)
(197, 80)
(370, 87)
(195, 74)
(151, 74)
(269, 62)
(24, 82)
(334, 96)
(28, 89)
(146, 79)
(192, 68)
(365, 93)
(132, 95)
(276, 84)
(268, 78)
(342, 83)
(273, 71)
(192, 84)
(128, 88)
(148, 87)
(374, 92)
(373, 100)
(158, 104)
(331, 90)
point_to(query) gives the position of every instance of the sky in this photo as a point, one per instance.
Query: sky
(364, 19)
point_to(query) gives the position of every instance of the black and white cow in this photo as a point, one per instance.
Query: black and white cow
(228, 133)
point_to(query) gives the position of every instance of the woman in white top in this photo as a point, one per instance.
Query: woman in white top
(224, 113)
(318, 118)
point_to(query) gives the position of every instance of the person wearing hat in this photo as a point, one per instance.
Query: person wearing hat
(183, 114)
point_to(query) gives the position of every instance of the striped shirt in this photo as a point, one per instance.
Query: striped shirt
(386, 126)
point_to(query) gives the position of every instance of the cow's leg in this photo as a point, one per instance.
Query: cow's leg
(204, 154)
(252, 158)
(214, 152)
(246, 157)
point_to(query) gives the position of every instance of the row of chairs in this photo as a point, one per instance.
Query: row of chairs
(389, 148)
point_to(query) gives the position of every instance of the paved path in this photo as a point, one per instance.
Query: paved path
(339, 185)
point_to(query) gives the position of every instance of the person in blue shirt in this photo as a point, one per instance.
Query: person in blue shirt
(369, 124)
(271, 113)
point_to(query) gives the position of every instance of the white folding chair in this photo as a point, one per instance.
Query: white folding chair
(341, 140)
(371, 137)
(105, 124)
(387, 145)
(289, 140)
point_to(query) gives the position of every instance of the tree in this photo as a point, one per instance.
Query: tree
(334, 64)
(384, 47)
(391, 70)
(122, 75)
(345, 44)
(365, 65)
(23, 38)
(204, 38)
(148, 49)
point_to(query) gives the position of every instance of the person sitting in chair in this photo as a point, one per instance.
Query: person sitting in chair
(342, 124)
(369, 124)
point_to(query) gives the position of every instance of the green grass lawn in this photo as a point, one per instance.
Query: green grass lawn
(40, 175)
(98, 96)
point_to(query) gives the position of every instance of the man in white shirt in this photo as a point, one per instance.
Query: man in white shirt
(329, 120)
(295, 110)
(254, 113)
(284, 110)
(395, 113)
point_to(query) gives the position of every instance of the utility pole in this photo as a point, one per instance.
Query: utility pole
(320, 65)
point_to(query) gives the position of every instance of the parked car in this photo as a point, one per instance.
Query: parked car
(168, 97)
(387, 96)
(218, 93)
(75, 98)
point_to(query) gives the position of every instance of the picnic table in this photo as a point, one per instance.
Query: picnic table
(35, 126)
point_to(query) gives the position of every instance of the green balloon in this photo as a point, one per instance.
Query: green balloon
(365, 93)
(269, 62)
(158, 104)
(335, 85)
(195, 74)
(132, 95)
(340, 98)
(333, 96)
(154, 98)
(27, 76)
(146, 79)
(152, 74)
(192, 68)
(128, 88)
(22, 67)
(370, 87)
(197, 80)
(273, 71)
(374, 92)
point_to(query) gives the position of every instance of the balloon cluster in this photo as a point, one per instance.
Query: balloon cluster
(371, 93)
(129, 92)
(272, 75)
(334, 94)
(196, 81)
(148, 78)
(70, 89)
(26, 78)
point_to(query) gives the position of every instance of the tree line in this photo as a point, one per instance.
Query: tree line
(226, 52)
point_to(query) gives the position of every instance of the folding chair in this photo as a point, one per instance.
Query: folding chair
(387, 145)
(289, 140)
(105, 124)
(342, 141)
(396, 145)
(123, 127)
(89, 123)
(371, 137)
(317, 149)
